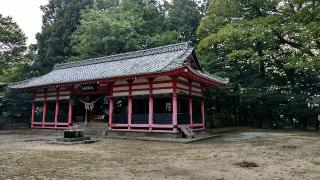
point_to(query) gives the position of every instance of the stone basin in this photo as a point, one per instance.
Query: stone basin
(73, 133)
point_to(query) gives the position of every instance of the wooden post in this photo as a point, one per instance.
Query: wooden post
(70, 112)
(190, 103)
(174, 106)
(32, 113)
(203, 113)
(56, 110)
(150, 119)
(317, 123)
(33, 109)
(110, 112)
(130, 106)
(110, 107)
(44, 108)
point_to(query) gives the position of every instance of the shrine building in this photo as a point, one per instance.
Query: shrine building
(152, 90)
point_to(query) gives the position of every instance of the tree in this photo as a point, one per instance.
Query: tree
(22, 69)
(13, 63)
(130, 26)
(12, 43)
(60, 20)
(184, 17)
(270, 51)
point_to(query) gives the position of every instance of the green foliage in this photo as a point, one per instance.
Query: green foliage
(105, 32)
(16, 106)
(60, 20)
(184, 17)
(75, 30)
(133, 25)
(270, 51)
(12, 43)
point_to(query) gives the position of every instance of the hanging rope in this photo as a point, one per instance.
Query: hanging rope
(88, 106)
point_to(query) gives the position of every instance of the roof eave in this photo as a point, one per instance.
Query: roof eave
(107, 80)
(206, 79)
(196, 60)
(185, 70)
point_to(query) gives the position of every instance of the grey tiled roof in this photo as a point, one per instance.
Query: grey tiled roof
(3, 84)
(315, 99)
(148, 61)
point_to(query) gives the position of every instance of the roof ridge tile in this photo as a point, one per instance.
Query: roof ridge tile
(123, 56)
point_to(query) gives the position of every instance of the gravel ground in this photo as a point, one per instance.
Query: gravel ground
(249, 154)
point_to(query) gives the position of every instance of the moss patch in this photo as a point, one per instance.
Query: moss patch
(316, 162)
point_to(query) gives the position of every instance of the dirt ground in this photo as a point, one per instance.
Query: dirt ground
(250, 154)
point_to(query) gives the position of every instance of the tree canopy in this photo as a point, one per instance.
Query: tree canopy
(183, 17)
(15, 57)
(60, 20)
(132, 25)
(270, 51)
(12, 43)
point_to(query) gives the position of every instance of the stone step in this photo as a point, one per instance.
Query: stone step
(188, 132)
(92, 128)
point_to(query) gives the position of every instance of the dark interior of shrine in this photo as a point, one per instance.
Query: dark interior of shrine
(99, 113)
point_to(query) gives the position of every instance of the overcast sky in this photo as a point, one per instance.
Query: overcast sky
(26, 13)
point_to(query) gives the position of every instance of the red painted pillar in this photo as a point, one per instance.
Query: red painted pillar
(70, 112)
(56, 110)
(174, 106)
(32, 113)
(202, 112)
(110, 112)
(44, 108)
(190, 103)
(110, 106)
(130, 106)
(150, 119)
(33, 109)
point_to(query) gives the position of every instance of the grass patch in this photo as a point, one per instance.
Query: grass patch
(246, 164)
(316, 162)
